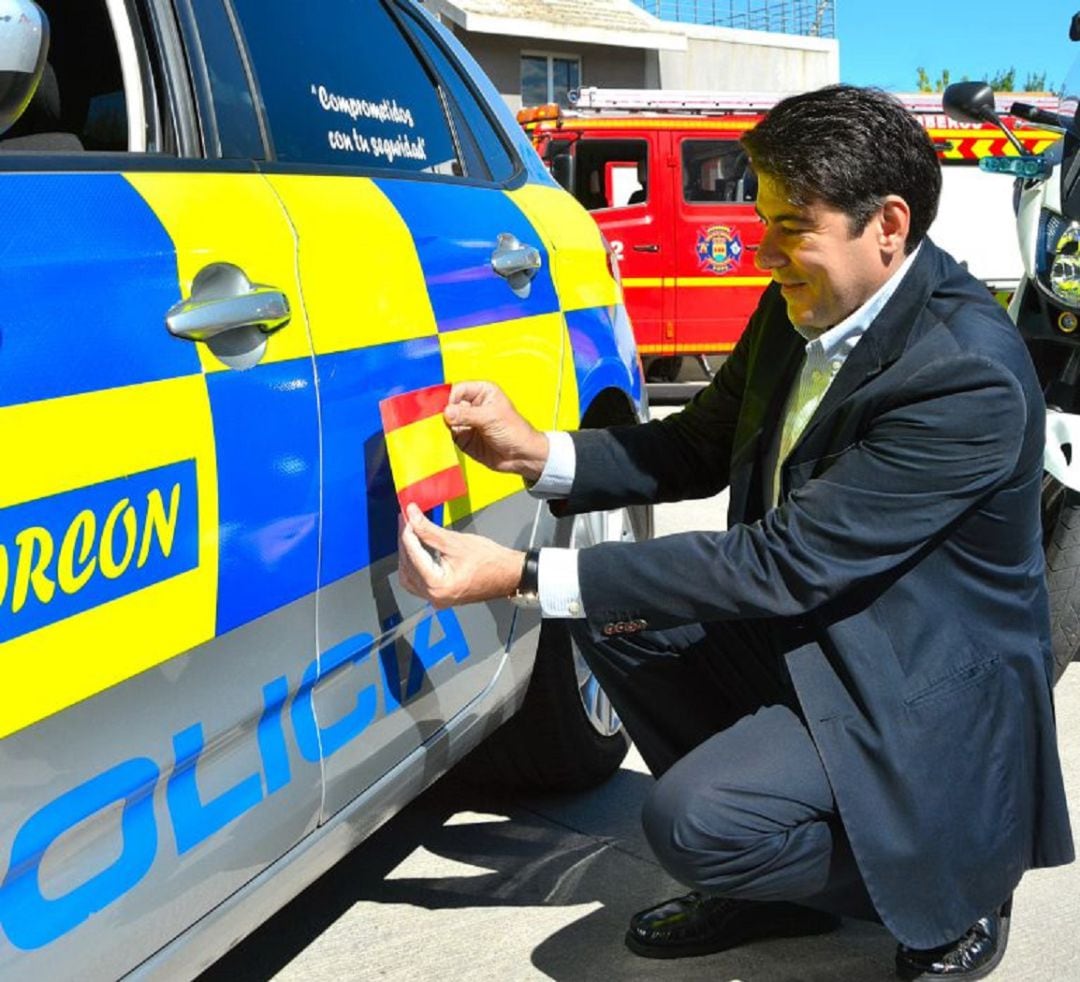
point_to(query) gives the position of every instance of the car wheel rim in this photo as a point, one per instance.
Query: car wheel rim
(588, 530)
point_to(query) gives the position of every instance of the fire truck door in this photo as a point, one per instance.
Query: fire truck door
(620, 178)
(717, 233)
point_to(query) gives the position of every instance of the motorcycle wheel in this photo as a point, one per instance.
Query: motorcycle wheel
(1061, 544)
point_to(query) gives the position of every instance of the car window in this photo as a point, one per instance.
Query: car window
(229, 92)
(611, 173)
(716, 170)
(80, 103)
(342, 86)
(484, 150)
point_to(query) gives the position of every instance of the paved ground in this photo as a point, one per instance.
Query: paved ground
(469, 885)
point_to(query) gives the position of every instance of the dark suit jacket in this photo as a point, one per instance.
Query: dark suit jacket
(904, 566)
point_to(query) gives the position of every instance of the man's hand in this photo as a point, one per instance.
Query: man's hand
(485, 424)
(469, 568)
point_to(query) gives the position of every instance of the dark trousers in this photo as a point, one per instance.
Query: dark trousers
(742, 806)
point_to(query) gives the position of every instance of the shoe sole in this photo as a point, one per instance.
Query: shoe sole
(979, 973)
(799, 928)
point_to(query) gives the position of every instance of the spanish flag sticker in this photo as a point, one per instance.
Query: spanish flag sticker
(423, 458)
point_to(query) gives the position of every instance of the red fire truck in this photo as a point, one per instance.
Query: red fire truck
(669, 185)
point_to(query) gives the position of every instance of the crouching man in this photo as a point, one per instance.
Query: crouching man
(845, 697)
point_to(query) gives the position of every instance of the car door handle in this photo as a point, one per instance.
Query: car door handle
(223, 299)
(516, 263)
(648, 247)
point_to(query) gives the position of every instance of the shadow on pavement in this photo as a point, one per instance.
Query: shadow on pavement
(459, 846)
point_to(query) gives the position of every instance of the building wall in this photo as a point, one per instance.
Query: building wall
(715, 58)
(730, 60)
(603, 65)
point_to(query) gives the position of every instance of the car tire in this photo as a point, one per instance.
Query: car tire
(1061, 541)
(566, 736)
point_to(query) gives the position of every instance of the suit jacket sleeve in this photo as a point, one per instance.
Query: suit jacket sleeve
(686, 455)
(949, 434)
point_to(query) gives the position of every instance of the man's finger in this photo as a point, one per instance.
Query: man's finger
(469, 393)
(463, 414)
(419, 558)
(426, 530)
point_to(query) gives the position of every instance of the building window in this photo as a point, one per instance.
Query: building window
(548, 78)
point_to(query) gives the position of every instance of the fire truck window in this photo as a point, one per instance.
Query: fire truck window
(716, 170)
(611, 173)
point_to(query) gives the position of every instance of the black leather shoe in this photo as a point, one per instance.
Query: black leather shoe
(974, 956)
(699, 925)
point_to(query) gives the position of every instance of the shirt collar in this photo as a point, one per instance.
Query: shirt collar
(851, 328)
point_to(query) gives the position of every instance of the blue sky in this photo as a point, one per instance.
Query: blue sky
(883, 44)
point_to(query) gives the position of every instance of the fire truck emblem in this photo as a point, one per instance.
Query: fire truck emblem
(719, 249)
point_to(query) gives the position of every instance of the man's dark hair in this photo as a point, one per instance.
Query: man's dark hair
(849, 147)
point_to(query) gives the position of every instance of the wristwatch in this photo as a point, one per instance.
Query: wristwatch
(527, 593)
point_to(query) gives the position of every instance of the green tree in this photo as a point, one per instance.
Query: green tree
(1004, 81)
(923, 83)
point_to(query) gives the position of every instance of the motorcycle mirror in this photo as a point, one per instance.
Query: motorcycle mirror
(1074, 28)
(973, 102)
(969, 102)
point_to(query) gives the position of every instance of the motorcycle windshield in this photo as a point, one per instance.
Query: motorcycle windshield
(1070, 94)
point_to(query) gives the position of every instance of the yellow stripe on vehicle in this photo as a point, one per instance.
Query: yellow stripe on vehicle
(93, 543)
(652, 123)
(703, 346)
(723, 280)
(519, 356)
(246, 220)
(575, 250)
(362, 277)
(693, 281)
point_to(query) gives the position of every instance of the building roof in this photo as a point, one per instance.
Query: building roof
(614, 22)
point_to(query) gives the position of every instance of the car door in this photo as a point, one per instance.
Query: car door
(159, 516)
(717, 233)
(395, 182)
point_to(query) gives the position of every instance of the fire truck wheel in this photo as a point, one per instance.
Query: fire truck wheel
(663, 369)
(1061, 541)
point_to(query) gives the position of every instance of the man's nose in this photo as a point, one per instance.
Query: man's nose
(768, 256)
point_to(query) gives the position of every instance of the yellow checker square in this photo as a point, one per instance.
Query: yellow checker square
(108, 541)
(575, 249)
(524, 358)
(363, 282)
(233, 218)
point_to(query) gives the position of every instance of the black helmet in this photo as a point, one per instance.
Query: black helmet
(24, 43)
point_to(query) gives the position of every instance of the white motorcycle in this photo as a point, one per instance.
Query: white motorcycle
(1046, 309)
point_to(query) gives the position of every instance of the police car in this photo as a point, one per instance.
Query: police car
(230, 230)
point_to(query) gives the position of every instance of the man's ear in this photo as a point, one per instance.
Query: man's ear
(893, 225)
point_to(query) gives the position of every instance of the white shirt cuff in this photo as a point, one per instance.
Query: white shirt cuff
(558, 582)
(558, 474)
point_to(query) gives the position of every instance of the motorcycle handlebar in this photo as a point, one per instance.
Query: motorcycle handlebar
(1033, 114)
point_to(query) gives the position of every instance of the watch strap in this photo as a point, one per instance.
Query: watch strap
(527, 593)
